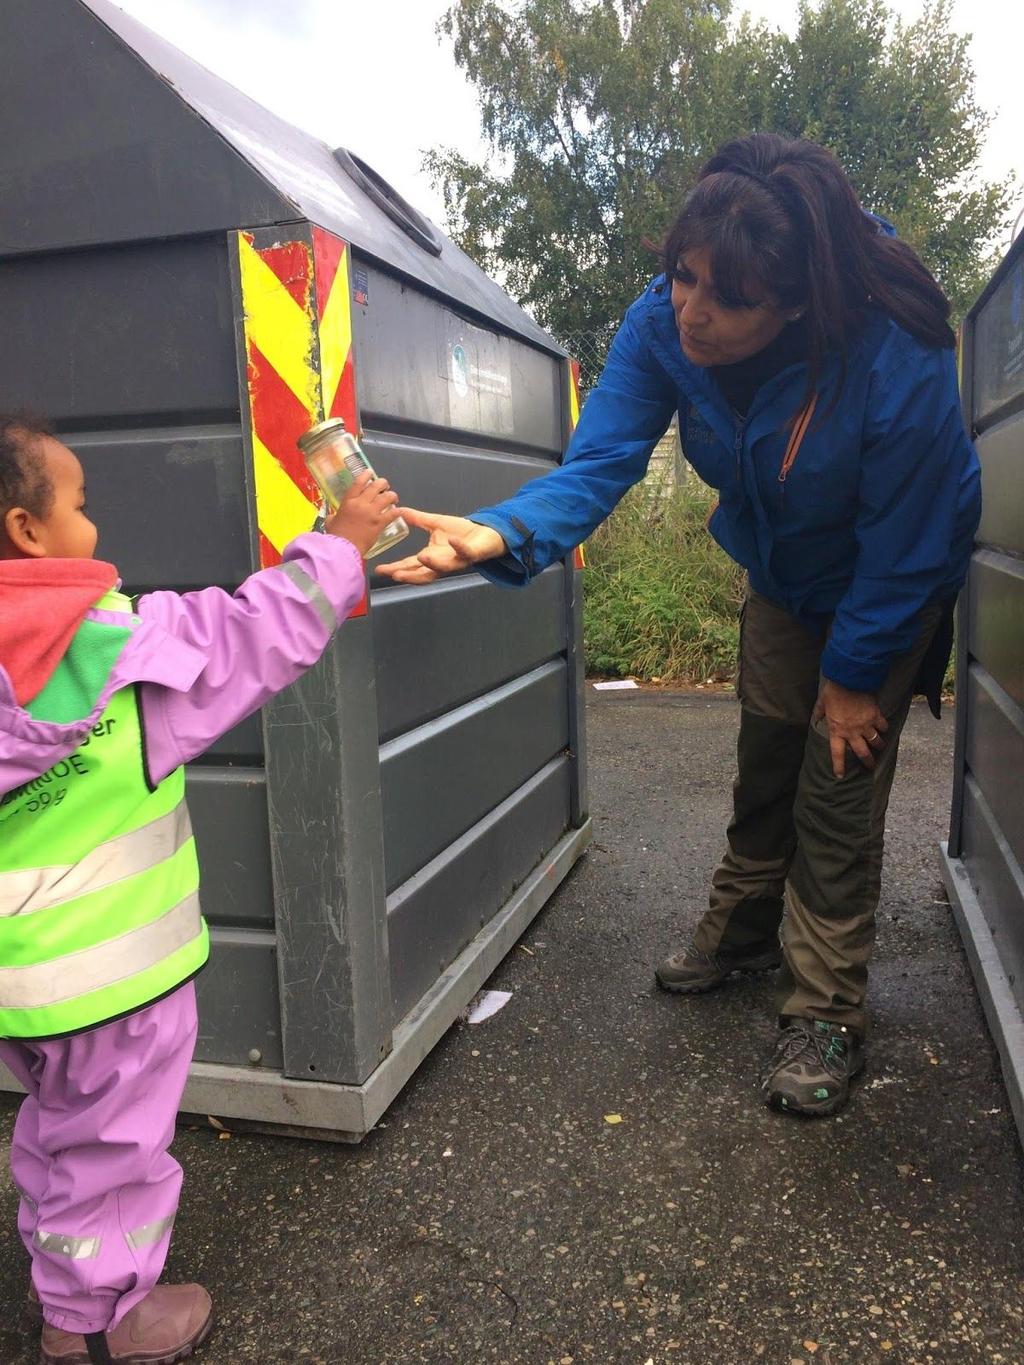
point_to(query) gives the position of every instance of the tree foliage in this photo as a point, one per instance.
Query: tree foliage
(599, 112)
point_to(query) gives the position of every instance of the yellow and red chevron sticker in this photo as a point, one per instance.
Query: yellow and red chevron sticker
(297, 320)
(574, 393)
(283, 381)
(334, 320)
(579, 558)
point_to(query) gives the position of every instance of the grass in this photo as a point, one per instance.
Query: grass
(661, 599)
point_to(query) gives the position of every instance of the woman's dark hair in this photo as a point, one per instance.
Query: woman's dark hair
(781, 218)
(23, 479)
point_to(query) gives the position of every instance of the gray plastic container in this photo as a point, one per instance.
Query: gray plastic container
(983, 862)
(377, 838)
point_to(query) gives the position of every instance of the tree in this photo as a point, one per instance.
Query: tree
(897, 105)
(599, 112)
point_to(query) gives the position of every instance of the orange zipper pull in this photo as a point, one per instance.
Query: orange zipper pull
(796, 437)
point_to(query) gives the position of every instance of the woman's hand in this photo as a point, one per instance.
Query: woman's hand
(455, 543)
(853, 719)
(364, 511)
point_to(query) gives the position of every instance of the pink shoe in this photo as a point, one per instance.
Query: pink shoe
(168, 1325)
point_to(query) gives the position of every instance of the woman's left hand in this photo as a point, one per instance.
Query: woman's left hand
(853, 719)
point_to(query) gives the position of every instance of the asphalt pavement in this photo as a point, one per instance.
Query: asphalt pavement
(588, 1177)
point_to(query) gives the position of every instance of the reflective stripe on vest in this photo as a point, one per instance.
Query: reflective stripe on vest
(66, 978)
(99, 904)
(23, 893)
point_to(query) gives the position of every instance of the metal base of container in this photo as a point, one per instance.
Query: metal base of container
(1002, 1012)
(268, 1101)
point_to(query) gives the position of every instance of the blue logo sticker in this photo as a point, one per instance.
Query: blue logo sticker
(460, 370)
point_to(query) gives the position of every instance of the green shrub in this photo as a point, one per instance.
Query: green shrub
(661, 599)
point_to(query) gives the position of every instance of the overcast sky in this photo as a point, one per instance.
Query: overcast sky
(373, 76)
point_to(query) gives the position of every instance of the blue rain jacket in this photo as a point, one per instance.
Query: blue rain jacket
(875, 519)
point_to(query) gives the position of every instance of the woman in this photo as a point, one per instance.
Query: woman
(809, 356)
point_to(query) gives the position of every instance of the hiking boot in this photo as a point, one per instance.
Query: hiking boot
(169, 1323)
(811, 1068)
(691, 972)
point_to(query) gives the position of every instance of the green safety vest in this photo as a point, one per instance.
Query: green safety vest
(99, 881)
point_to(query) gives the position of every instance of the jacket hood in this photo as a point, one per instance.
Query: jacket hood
(42, 604)
(41, 608)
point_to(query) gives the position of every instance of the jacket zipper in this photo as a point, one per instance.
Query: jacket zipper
(800, 429)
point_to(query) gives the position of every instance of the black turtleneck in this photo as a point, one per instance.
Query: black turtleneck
(740, 381)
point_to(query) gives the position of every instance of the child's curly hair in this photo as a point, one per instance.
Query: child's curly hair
(23, 481)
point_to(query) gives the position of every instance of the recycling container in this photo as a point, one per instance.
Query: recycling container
(187, 284)
(983, 861)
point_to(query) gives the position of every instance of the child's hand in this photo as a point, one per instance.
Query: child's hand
(365, 510)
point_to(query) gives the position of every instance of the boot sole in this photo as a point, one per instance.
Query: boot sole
(144, 1357)
(755, 968)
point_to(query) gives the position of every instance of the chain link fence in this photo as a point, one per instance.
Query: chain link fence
(668, 468)
(590, 350)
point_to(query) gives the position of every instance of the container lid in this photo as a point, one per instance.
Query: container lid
(196, 157)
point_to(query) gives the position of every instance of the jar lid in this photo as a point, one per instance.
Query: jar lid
(316, 436)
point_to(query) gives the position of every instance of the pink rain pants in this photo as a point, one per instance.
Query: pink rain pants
(99, 1189)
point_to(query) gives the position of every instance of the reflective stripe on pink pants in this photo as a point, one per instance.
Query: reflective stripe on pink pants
(89, 1156)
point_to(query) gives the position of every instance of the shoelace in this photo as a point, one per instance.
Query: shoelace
(721, 961)
(797, 1040)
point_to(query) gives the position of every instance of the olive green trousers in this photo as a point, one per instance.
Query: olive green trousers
(804, 849)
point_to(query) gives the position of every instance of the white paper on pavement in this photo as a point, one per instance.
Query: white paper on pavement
(486, 1004)
(618, 685)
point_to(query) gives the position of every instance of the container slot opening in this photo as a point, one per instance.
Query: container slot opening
(386, 197)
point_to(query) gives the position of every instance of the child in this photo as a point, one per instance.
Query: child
(101, 702)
